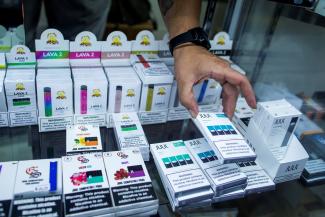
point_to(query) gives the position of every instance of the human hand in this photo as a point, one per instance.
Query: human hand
(194, 64)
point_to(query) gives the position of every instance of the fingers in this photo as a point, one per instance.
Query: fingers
(229, 98)
(186, 96)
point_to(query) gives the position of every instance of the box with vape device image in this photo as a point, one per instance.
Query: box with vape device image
(7, 179)
(52, 50)
(184, 180)
(221, 45)
(85, 51)
(224, 139)
(155, 76)
(4, 122)
(20, 86)
(124, 91)
(129, 133)
(85, 186)
(38, 188)
(243, 114)
(90, 96)
(130, 183)
(224, 178)
(54, 98)
(83, 139)
(116, 50)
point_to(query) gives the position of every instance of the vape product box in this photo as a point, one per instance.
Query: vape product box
(7, 179)
(5, 39)
(83, 139)
(258, 180)
(224, 178)
(130, 183)
(85, 186)
(116, 50)
(280, 167)
(129, 133)
(38, 188)
(164, 52)
(144, 43)
(243, 114)
(229, 196)
(52, 50)
(221, 45)
(207, 92)
(178, 166)
(124, 91)
(3, 105)
(224, 139)
(85, 51)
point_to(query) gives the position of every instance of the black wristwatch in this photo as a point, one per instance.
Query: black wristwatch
(196, 35)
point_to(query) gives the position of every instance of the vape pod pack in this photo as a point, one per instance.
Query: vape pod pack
(221, 45)
(3, 105)
(258, 180)
(38, 188)
(7, 179)
(155, 76)
(183, 179)
(83, 139)
(5, 39)
(130, 183)
(54, 98)
(85, 50)
(129, 133)
(52, 50)
(20, 86)
(224, 139)
(224, 178)
(276, 120)
(116, 50)
(85, 186)
(243, 114)
(90, 95)
(124, 91)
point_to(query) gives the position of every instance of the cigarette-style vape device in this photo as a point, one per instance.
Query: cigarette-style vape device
(151, 88)
(47, 102)
(118, 99)
(83, 99)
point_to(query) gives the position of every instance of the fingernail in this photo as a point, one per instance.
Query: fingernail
(193, 114)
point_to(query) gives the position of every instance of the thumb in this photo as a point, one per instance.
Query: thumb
(186, 96)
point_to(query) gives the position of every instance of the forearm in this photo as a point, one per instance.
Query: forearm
(180, 15)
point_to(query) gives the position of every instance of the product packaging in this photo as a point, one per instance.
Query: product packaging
(224, 139)
(243, 114)
(130, 183)
(164, 52)
(3, 105)
(129, 133)
(54, 98)
(229, 196)
(52, 50)
(155, 76)
(20, 86)
(224, 178)
(82, 139)
(38, 188)
(90, 96)
(221, 45)
(7, 179)
(85, 186)
(85, 51)
(116, 50)
(280, 166)
(18, 36)
(258, 180)
(124, 91)
(5, 39)
(182, 177)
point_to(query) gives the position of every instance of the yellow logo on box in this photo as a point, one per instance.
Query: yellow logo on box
(221, 40)
(96, 93)
(20, 50)
(130, 93)
(51, 38)
(60, 94)
(85, 41)
(125, 117)
(20, 86)
(161, 91)
(116, 41)
(145, 40)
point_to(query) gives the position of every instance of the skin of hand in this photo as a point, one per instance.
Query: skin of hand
(194, 64)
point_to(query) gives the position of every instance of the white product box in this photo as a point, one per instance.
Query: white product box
(83, 139)
(224, 178)
(129, 133)
(258, 180)
(5, 39)
(221, 45)
(3, 105)
(144, 43)
(207, 92)
(179, 167)
(7, 178)
(38, 188)
(85, 186)
(243, 114)
(18, 36)
(163, 51)
(52, 50)
(85, 51)
(280, 168)
(224, 138)
(129, 180)
(229, 196)
(116, 50)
